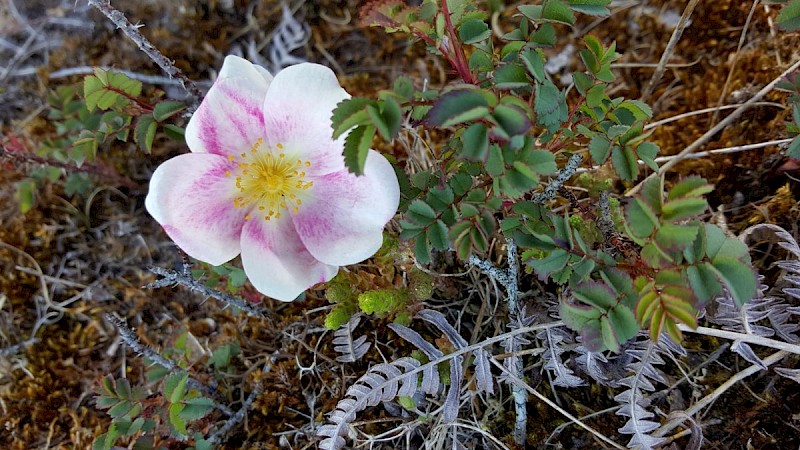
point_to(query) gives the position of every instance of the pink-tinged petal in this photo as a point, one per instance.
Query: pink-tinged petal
(342, 221)
(230, 119)
(192, 199)
(297, 112)
(276, 261)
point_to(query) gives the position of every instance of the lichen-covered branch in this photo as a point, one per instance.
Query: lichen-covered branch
(132, 31)
(563, 175)
(236, 418)
(171, 277)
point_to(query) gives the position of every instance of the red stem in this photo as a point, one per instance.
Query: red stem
(460, 62)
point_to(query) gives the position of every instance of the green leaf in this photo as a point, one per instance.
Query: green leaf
(476, 143)
(196, 408)
(737, 276)
(403, 87)
(437, 233)
(145, 132)
(703, 282)
(511, 76)
(534, 60)
(640, 218)
(647, 152)
(165, 110)
(495, 165)
(576, 315)
(25, 194)
(387, 120)
(422, 209)
(595, 294)
(638, 108)
(176, 422)
(554, 262)
(794, 147)
(350, 113)
(175, 386)
(625, 162)
(422, 251)
(789, 17)
(512, 119)
(472, 31)
(591, 7)
(542, 162)
(549, 105)
(676, 237)
(682, 208)
(557, 11)
(690, 187)
(356, 148)
(545, 36)
(458, 106)
(600, 149)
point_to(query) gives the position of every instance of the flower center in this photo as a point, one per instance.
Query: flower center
(269, 182)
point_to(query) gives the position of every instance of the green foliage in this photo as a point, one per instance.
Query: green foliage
(176, 409)
(652, 263)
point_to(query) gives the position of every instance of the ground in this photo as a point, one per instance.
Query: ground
(71, 259)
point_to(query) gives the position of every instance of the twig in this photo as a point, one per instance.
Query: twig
(236, 418)
(685, 115)
(132, 31)
(736, 57)
(523, 385)
(171, 277)
(509, 278)
(132, 340)
(673, 41)
(720, 126)
(563, 175)
(708, 399)
(98, 170)
(749, 338)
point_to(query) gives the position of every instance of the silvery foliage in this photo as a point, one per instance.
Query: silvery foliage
(351, 350)
(385, 382)
(289, 35)
(558, 341)
(643, 373)
(766, 315)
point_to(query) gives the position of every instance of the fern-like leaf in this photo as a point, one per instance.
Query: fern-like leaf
(351, 350)
(643, 374)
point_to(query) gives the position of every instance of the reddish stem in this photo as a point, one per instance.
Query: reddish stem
(460, 62)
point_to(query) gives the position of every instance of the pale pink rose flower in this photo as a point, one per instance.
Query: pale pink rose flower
(265, 179)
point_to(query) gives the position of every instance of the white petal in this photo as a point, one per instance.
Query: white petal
(191, 197)
(297, 114)
(276, 261)
(342, 220)
(230, 119)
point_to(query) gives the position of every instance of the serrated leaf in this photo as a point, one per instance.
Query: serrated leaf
(737, 276)
(542, 162)
(437, 233)
(356, 148)
(348, 114)
(676, 237)
(600, 149)
(196, 408)
(165, 110)
(422, 209)
(510, 76)
(554, 262)
(638, 108)
(549, 105)
(595, 294)
(472, 31)
(534, 62)
(422, 251)
(511, 119)
(625, 162)
(647, 152)
(576, 315)
(458, 106)
(682, 208)
(176, 422)
(591, 7)
(175, 386)
(789, 17)
(557, 11)
(690, 187)
(145, 132)
(476, 142)
(640, 218)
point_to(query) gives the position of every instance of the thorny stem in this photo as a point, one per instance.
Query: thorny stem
(509, 279)
(132, 31)
(96, 169)
(236, 418)
(171, 277)
(132, 340)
